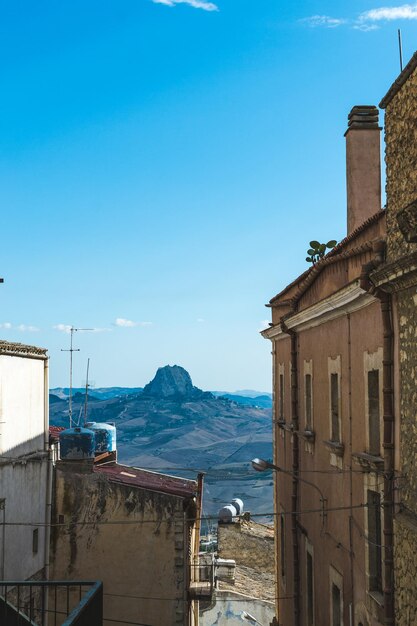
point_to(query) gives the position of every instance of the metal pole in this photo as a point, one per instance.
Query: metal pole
(400, 46)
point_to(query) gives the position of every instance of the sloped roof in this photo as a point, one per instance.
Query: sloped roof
(145, 479)
(21, 349)
(399, 82)
(307, 277)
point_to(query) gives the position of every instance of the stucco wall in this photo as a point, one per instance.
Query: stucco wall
(23, 482)
(134, 541)
(24, 490)
(344, 344)
(229, 607)
(22, 419)
(401, 160)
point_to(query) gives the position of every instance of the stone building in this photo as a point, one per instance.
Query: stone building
(398, 278)
(135, 530)
(345, 361)
(331, 381)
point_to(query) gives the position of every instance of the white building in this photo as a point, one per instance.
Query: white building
(25, 469)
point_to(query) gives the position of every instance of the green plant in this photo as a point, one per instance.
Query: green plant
(317, 250)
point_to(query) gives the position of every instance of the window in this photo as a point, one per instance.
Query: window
(374, 413)
(334, 407)
(281, 397)
(35, 541)
(374, 541)
(282, 545)
(310, 586)
(336, 605)
(308, 401)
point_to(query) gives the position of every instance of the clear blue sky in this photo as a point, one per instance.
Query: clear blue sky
(166, 166)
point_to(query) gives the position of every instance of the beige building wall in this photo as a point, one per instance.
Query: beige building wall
(24, 465)
(135, 540)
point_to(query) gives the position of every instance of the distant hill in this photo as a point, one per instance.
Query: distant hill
(264, 402)
(177, 428)
(103, 393)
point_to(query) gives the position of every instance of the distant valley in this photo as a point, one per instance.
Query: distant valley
(172, 426)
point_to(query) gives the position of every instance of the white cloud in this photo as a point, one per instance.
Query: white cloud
(403, 12)
(124, 323)
(197, 4)
(27, 329)
(324, 20)
(366, 21)
(63, 328)
(24, 328)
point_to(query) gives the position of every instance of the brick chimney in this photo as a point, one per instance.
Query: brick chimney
(363, 165)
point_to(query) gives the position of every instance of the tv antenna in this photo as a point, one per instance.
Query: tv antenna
(86, 393)
(400, 48)
(71, 351)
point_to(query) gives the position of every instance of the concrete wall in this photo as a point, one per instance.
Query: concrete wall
(134, 540)
(24, 488)
(229, 607)
(401, 160)
(23, 480)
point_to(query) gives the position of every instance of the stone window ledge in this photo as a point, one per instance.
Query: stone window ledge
(336, 447)
(375, 604)
(369, 462)
(308, 435)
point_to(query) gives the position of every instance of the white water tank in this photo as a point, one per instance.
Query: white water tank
(238, 504)
(227, 513)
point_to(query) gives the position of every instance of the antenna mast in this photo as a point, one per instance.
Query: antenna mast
(400, 47)
(86, 393)
(71, 350)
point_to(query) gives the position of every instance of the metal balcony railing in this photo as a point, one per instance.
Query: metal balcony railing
(51, 603)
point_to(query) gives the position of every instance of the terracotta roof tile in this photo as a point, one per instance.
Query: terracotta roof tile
(337, 250)
(146, 479)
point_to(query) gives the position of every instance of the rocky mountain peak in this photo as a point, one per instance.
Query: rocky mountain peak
(171, 382)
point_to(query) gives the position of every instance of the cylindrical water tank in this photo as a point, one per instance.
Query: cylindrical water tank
(238, 504)
(227, 513)
(105, 435)
(76, 444)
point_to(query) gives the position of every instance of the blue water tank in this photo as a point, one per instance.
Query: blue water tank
(77, 444)
(105, 435)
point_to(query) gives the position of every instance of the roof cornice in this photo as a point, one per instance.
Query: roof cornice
(346, 300)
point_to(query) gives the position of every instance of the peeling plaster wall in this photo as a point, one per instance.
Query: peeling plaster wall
(135, 542)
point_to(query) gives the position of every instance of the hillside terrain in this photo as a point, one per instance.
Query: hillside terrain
(177, 428)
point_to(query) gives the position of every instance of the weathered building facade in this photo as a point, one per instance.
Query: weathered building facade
(398, 277)
(135, 530)
(25, 468)
(351, 368)
(331, 341)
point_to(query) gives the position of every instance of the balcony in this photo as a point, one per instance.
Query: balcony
(51, 603)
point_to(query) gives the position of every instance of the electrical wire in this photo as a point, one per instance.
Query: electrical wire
(72, 524)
